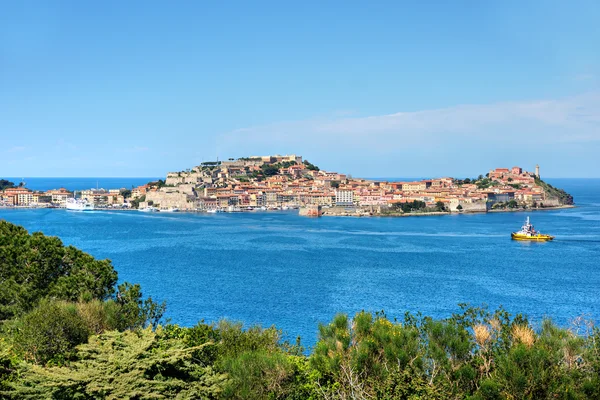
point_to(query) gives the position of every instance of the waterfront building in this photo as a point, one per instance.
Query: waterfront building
(344, 198)
(59, 196)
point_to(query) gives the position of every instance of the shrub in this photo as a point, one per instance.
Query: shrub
(49, 332)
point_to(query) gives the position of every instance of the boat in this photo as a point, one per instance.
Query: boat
(171, 209)
(79, 205)
(529, 233)
(149, 209)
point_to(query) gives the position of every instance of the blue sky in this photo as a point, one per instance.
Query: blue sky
(139, 88)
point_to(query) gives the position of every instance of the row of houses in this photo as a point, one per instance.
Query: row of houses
(21, 196)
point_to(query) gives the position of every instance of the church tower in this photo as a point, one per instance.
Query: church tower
(537, 171)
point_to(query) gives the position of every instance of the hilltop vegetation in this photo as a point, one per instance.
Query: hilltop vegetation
(551, 191)
(68, 333)
(5, 184)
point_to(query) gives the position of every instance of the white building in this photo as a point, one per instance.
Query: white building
(344, 197)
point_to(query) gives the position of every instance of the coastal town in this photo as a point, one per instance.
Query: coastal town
(290, 182)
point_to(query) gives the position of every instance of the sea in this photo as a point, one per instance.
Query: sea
(72, 184)
(277, 268)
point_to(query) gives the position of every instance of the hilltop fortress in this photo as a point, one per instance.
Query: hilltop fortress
(288, 181)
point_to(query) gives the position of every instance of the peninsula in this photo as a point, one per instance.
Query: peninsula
(290, 182)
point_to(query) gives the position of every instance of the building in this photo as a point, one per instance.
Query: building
(59, 196)
(18, 196)
(344, 197)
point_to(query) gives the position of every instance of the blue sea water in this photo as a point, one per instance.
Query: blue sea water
(44, 184)
(295, 272)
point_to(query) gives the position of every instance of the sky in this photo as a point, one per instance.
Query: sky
(372, 89)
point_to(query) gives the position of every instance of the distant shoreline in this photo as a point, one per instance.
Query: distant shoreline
(439, 213)
(326, 213)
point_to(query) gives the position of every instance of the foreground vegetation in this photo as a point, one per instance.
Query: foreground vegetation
(68, 333)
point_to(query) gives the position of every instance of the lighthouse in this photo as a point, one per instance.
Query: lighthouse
(537, 171)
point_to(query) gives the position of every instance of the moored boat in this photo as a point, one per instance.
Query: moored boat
(149, 209)
(79, 205)
(529, 233)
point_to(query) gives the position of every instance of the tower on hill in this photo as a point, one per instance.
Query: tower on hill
(537, 171)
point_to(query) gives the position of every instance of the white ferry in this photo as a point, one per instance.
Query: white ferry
(79, 205)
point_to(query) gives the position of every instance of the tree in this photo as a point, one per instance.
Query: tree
(440, 206)
(512, 204)
(269, 170)
(310, 166)
(126, 365)
(459, 207)
(135, 203)
(4, 184)
(126, 193)
(33, 266)
(134, 311)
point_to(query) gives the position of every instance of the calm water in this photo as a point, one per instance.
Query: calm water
(80, 183)
(279, 268)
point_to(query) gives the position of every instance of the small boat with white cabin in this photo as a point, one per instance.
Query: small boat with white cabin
(529, 233)
(148, 209)
(171, 209)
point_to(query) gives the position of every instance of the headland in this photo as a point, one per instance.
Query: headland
(291, 182)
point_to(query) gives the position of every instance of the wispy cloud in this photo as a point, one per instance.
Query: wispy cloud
(16, 149)
(585, 77)
(569, 119)
(62, 144)
(561, 133)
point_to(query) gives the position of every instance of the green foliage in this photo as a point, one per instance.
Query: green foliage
(5, 184)
(512, 204)
(440, 206)
(8, 363)
(551, 191)
(415, 205)
(269, 170)
(258, 375)
(473, 354)
(459, 207)
(310, 166)
(135, 203)
(35, 266)
(126, 365)
(483, 183)
(132, 311)
(49, 332)
(126, 193)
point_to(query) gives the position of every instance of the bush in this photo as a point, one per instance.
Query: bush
(49, 332)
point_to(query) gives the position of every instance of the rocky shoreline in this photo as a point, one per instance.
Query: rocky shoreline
(331, 212)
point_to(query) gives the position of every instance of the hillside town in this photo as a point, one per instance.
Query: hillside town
(290, 182)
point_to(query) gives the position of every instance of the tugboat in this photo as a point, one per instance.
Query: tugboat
(528, 232)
